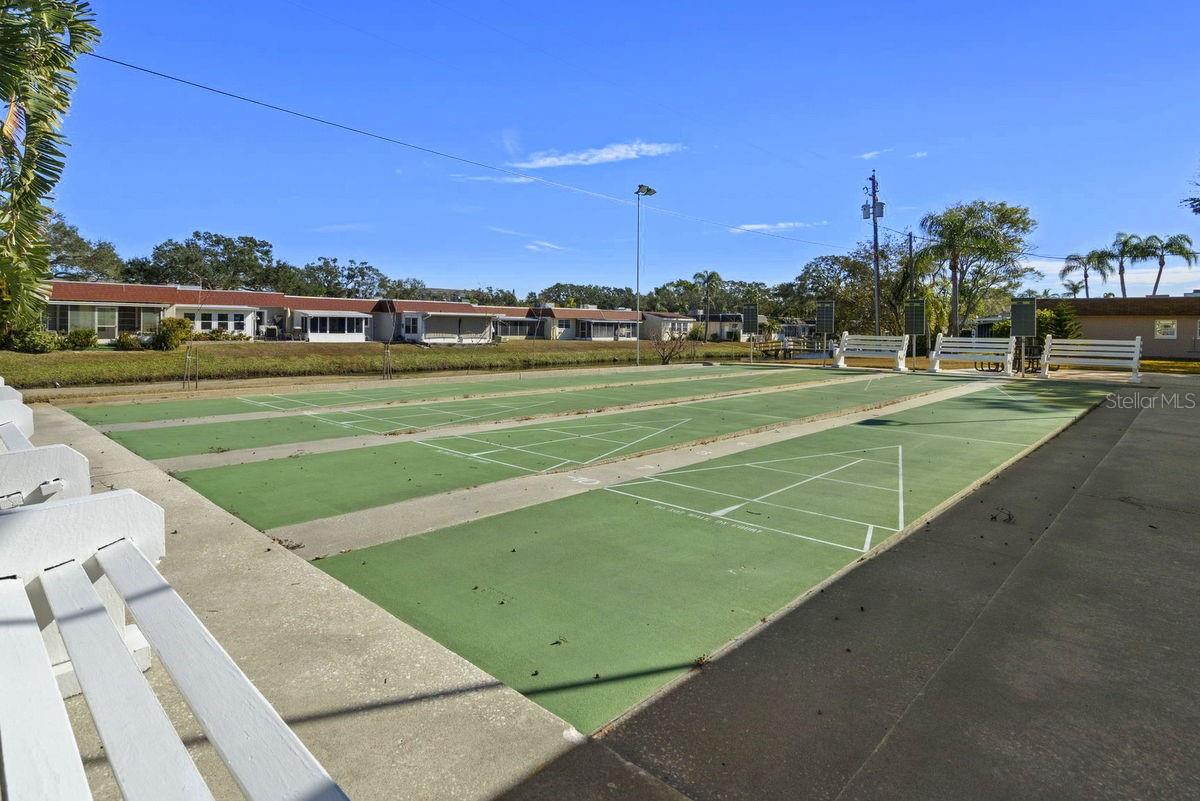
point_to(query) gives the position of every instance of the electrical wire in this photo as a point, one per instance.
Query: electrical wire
(451, 156)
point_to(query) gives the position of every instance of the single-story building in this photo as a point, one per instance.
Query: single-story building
(317, 319)
(516, 322)
(587, 322)
(1169, 326)
(666, 325)
(110, 308)
(721, 325)
(433, 322)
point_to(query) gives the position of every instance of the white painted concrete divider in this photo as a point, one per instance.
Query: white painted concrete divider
(34, 475)
(14, 410)
(988, 350)
(888, 347)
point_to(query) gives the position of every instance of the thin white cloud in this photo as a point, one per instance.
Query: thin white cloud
(510, 140)
(493, 179)
(495, 229)
(874, 154)
(779, 226)
(622, 151)
(341, 228)
(920, 154)
(542, 246)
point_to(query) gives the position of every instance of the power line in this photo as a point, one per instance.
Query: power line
(450, 156)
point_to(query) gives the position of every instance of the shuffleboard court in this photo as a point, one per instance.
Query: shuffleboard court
(591, 603)
(272, 493)
(184, 440)
(402, 390)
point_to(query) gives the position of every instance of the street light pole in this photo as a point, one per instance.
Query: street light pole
(876, 213)
(640, 192)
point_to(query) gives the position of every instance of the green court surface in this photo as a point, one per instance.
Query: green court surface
(385, 392)
(279, 492)
(185, 440)
(591, 603)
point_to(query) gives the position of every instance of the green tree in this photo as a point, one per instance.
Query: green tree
(213, 260)
(1126, 247)
(74, 258)
(980, 245)
(1073, 287)
(709, 282)
(39, 43)
(1098, 262)
(491, 296)
(1157, 247)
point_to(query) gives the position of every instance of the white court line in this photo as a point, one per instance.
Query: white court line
(710, 404)
(867, 541)
(787, 459)
(900, 477)
(636, 441)
(801, 482)
(901, 430)
(267, 405)
(317, 416)
(764, 503)
(481, 458)
(287, 399)
(835, 480)
(524, 449)
(752, 525)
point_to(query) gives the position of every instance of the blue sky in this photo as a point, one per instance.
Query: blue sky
(769, 114)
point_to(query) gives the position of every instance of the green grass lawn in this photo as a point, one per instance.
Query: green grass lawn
(591, 603)
(226, 360)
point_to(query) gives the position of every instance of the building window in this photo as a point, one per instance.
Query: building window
(56, 317)
(206, 321)
(127, 319)
(563, 325)
(223, 321)
(149, 320)
(81, 317)
(239, 321)
(1166, 329)
(337, 325)
(106, 322)
(410, 326)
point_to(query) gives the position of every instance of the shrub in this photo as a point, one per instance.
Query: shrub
(1001, 328)
(696, 333)
(172, 332)
(33, 340)
(128, 341)
(80, 339)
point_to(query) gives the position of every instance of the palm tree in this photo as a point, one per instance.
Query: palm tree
(1073, 287)
(39, 42)
(1155, 247)
(708, 281)
(1097, 261)
(1126, 247)
(956, 232)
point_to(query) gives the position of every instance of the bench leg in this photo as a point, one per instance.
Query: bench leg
(1008, 368)
(935, 363)
(839, 360)
(900, 368)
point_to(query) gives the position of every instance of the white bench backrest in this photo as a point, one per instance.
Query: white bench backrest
(62, 552)
(1124, 353)
(14, 410)
(992, 350)
(34, 475)
(892, 347)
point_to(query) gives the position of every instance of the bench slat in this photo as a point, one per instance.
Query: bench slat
(264, 756)
(38, 755)
(146, 755)
(13, 438)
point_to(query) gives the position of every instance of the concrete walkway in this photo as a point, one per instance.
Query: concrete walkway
(389, 712)
(1036, 640)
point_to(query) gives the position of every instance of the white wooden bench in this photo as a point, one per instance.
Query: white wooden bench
(974, 349)
(31, 474)
(872, 347)
(53, 556)
(14, 410)
(1124, 353)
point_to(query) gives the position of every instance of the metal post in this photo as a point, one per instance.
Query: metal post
(637, 282)
(875, 243)
(912, 271)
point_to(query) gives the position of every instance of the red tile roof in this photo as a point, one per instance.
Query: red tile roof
(604, 315)
(308, 303)
(88, 292)
(438, 307)
(507, 311)
(670, 315)
(228, 297)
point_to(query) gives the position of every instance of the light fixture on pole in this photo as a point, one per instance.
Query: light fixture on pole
(641, 192)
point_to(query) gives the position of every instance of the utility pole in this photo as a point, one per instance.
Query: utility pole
(876, 213)
(912, 271)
